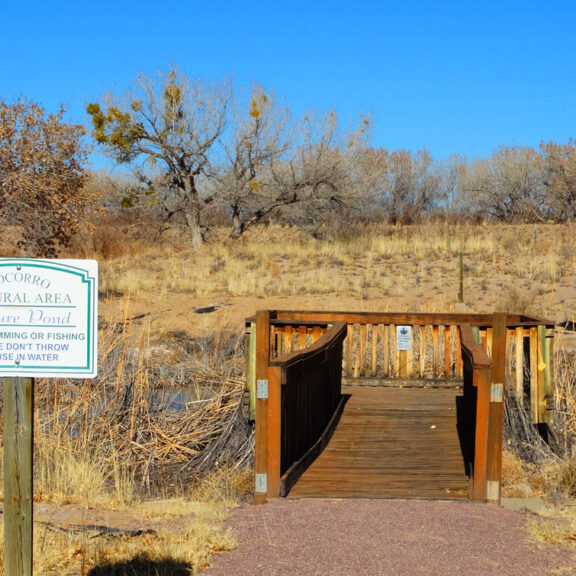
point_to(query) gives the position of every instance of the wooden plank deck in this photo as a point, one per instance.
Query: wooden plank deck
(391, 443)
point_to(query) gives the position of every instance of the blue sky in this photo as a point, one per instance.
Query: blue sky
(454, 77)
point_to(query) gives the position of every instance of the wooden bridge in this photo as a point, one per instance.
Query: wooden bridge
(380, 405)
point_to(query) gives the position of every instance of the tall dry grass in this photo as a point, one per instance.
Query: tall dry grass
(505, 266)
(162, 419)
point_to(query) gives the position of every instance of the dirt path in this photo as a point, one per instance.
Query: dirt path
(388, 538)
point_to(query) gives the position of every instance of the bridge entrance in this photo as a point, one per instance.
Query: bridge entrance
(390, 405)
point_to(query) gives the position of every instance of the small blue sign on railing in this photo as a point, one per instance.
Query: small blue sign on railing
(48, 318)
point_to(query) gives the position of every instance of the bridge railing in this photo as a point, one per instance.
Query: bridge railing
(424, 346)
(298, 399)
(296, 361)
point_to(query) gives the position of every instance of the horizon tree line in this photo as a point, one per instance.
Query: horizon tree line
(199, 154)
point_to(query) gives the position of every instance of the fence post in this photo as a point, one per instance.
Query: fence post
(261, 408)
(274, 430)
(496, 412)
(18, 487)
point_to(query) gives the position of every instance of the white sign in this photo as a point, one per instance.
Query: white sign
(403, 337)
(48, 318)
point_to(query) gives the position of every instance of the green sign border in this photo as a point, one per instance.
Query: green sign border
(89, 368)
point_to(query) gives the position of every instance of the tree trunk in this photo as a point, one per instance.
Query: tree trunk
(192, 212)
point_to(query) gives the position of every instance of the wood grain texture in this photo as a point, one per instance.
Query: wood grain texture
(391, 443)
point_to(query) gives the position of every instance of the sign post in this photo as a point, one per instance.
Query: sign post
(48, 328)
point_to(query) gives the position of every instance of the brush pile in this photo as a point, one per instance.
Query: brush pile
(169, 411)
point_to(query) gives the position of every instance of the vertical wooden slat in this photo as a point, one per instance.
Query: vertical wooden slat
(301, 337)
(410, 356)
(385, 333)
(447, 352)
(374, 367)
(422, 363)
(362, 351)
(510, 338)
(454, 347)
(519, 362)
(394, 351)
(436, 350)
(489, 341)
(349, 349)
(274, 341)
(284, 340)
(459, 363)
(356, 351)
(542, 361)
(534, 373)
(263, 339)
(316, 333)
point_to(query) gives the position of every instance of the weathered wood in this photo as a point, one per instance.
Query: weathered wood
(18, 487)
(349, 349)
(391, 443)
(534, 393)
(274, 429)
(519, 338)
(251, 370)
(291, 476)
(261, 422)
(436, 350)
(374, 363)
(477, 378)
(385, 329)
(362, 349)
(422, 360)
(447, 352)
(496, 408)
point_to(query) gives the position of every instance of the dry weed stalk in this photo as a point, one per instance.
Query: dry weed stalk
(160, 413)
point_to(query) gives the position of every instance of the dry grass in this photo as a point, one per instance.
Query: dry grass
(113, 441)
(505, 266)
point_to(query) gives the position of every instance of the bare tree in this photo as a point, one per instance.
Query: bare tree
(169, 128)
(508, 185)
(410, 187)
(560, 179)
(198, 149)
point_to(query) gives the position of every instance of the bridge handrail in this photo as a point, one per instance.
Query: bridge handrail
(476, 375)
(483, 418)
(303, 395)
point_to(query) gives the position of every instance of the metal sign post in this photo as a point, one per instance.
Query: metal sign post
(48, 328)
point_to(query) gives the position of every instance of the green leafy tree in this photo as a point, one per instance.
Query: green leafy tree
(41, 177)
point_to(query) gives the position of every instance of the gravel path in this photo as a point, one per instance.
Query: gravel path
(388, 538)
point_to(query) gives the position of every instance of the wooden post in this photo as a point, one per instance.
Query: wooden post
(274, 430)
(461, 291)
(534, 373)
(261, 416)
(482, 383)
(18, 487)
(496, 415)
(543, 361)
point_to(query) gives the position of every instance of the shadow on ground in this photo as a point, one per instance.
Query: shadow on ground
(143, 568)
